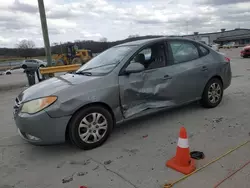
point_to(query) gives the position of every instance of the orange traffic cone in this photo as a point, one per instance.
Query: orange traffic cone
(182, 162)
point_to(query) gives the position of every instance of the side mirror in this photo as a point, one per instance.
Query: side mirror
(134, 68)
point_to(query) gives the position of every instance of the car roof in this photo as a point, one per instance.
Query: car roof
(143, 42)
(246, 47)
(32, 59)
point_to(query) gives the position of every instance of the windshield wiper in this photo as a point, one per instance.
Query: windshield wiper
(99, 66)
(84, 73)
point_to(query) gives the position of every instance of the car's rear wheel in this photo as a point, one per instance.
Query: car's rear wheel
(90, 127)
(212, 94)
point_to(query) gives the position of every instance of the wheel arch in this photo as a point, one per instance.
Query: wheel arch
(218, 77)
(215, 76)
(101, 104)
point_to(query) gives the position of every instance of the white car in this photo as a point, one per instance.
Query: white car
(14, 70)
(215, 47)
(230, 45)
(33, 63)
(8, 72)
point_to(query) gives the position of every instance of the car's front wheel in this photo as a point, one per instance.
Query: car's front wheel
(90, 127)
(212, 94)
(24, 66)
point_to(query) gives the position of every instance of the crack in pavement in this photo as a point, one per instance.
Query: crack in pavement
(12, 145)
(116, 173)
(2, 152)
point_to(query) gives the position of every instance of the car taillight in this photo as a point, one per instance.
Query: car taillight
(227, 59)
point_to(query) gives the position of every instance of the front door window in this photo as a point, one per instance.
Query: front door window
(152, 57)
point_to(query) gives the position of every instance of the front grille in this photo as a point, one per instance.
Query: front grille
(17, 103)
(17, 106)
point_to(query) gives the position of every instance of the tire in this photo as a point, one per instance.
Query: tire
(76, 60)
(59, 63)
(90, 130)
(24, 66)
(206, 100)
(8, 73)
(42, 66)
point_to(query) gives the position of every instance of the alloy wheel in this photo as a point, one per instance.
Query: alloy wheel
(214, 93)
(93, 127)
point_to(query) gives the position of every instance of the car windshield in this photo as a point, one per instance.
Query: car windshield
(105, 62)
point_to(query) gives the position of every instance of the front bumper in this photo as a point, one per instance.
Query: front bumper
(245, 54)
(40, 128)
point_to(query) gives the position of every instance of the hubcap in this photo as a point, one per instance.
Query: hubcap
(93, 127)
(214, 93)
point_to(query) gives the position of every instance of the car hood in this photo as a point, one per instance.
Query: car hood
(52, 86)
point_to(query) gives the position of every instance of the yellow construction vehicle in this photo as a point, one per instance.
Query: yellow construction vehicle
(74, 56)
(60, 59)
(82, 56)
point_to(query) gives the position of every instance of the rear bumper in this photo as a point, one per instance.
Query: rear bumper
(227, 76)
(244, 54)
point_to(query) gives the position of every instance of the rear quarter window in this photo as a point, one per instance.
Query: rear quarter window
(203, 50)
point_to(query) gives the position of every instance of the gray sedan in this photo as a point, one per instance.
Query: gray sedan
(123, 82)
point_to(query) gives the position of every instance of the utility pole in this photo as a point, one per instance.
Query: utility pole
(45, 32)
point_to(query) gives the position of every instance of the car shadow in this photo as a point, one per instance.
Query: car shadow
(127, 127)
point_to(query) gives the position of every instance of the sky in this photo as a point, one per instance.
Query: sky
(70, 20)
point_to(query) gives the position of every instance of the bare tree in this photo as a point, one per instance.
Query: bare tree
(103, 39)
(26, 48)
(55, 44)
(133, 36)
(26, 44)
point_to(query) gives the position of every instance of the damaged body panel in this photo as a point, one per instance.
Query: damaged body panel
(145, 90)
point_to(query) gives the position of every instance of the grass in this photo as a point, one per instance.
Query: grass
(4, 68)
(9, 59)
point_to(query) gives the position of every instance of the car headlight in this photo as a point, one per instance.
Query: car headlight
(34, 106)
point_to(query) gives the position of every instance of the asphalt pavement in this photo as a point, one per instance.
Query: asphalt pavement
(135, 154)
(13, 81)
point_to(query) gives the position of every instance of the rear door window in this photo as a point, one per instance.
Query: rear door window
(183, 51)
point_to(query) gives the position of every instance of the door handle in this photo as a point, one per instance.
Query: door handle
(167, 77)
(204, 68)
